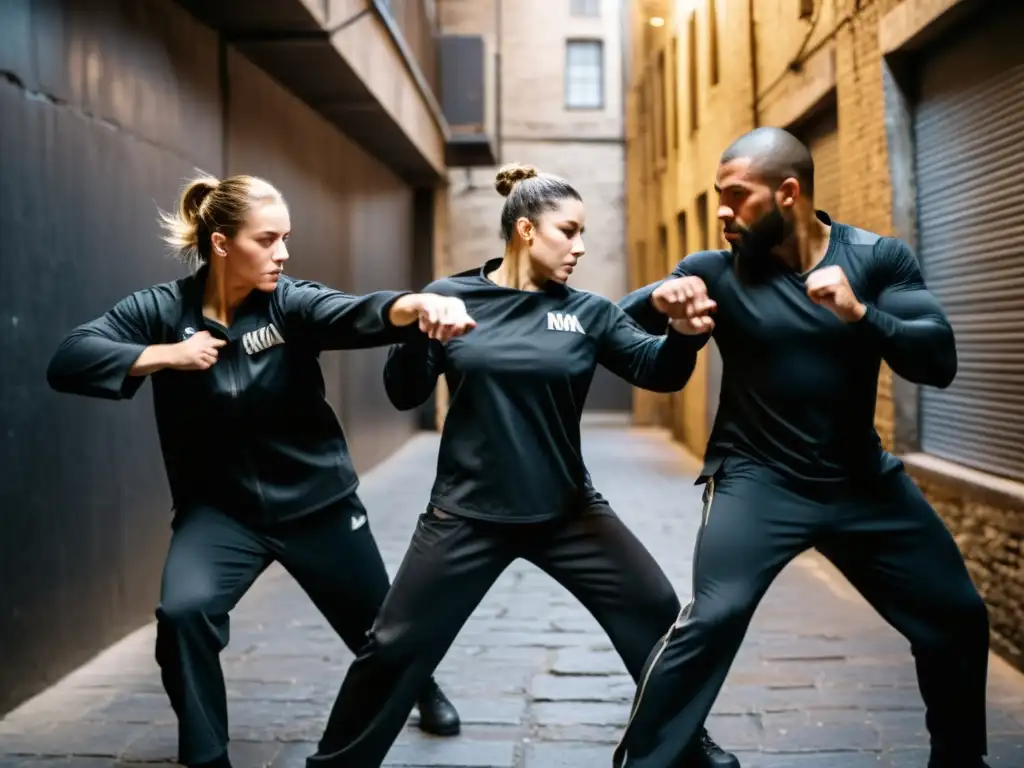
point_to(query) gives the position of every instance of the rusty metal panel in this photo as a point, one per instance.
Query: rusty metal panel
(352, 229)
(969, 158)
(116, 104)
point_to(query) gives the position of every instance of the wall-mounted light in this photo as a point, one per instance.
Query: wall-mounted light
(656, 21)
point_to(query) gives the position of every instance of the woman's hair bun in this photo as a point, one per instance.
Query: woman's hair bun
(510, 174)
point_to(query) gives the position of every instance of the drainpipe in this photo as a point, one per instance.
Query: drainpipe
(497, 81)
(755, 86)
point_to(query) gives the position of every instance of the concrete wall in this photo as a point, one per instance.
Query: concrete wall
(585, 146)
(105, 108)
(844, 55)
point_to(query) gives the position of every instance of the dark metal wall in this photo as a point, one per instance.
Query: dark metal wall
(106, 106)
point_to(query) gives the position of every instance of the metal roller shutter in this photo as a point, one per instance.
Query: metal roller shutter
(821, 136)
(970, 160)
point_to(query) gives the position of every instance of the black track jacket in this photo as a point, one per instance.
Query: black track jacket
(253, 436)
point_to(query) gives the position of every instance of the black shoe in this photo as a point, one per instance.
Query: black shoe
(710, 755)
(437, 715)
(939, 761)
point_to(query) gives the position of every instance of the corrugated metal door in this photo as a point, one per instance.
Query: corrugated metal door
(970, 161)
(821, 135)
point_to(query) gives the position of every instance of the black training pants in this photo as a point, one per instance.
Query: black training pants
(212, 562)
(449, 567)
(884, 537)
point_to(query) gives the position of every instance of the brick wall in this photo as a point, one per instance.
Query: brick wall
(841, 57)
(990, 533)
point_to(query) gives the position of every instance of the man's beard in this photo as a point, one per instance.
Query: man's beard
(753, 249)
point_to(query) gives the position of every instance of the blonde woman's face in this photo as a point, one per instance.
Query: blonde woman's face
(256, 255)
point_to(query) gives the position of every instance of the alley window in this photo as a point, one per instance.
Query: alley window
(584, 74)
(585, 7)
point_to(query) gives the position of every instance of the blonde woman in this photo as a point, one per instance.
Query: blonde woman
(257, 462)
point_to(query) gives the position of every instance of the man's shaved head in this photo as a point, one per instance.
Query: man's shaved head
(774, 155)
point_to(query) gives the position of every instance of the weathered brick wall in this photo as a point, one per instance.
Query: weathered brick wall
(992, 539)
(842, 57)
(666, 186)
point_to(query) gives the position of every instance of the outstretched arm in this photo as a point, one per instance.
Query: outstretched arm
(656, 363)
(639, 307)
(411, 371)
(652, 305)
(910, 325)
(333, 319)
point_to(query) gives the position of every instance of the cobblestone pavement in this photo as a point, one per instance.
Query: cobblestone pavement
(820, 683)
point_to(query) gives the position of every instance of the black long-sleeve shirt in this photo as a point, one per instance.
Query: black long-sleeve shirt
(510, 449)
(252, 436)
(798, 384)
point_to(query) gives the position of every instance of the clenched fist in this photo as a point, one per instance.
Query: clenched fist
(444, 317)
(829, 287)
(197, 353)
(440, 317)
(686, 302)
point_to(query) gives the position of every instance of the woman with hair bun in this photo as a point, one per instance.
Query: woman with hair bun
(258, 466)
(511, 482)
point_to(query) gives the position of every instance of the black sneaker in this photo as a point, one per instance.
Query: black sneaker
(710, 755)
(437, 715)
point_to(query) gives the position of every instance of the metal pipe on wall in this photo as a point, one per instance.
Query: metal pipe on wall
(754, 86)
(497, 81)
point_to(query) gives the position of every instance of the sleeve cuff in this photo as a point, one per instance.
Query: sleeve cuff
(401, 333)
(873, 322)
(685, 342)
(390, 297)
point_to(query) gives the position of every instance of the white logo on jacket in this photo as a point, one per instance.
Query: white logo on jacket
(259, 340)
(559, 322)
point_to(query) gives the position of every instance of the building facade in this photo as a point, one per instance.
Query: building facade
(912, 110)
(554, 90)
(106, 108)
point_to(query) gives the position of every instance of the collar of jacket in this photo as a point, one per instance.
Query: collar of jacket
(253, 304)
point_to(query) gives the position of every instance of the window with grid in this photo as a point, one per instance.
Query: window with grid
(585, 7)
(584, 74)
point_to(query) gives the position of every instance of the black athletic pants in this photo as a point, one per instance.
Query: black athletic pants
(212, 562)
(449, 567)
(884, 537)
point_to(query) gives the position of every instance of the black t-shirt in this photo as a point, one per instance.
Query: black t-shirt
(510, 448)
(799, 385)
